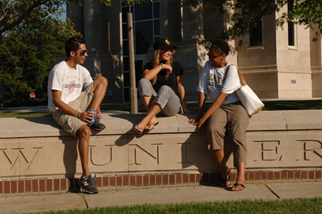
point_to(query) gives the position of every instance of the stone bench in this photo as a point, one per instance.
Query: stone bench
(37, 156)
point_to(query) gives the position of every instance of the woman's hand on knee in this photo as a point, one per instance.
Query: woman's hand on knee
(194, 121)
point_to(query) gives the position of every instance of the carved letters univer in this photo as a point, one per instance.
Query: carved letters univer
(140, 154)
(153, 154)
(311, 148)
(107, 155)
(270, 150)
(12, 155)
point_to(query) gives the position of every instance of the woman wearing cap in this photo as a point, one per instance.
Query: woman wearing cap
(226, 114)
(161, 88)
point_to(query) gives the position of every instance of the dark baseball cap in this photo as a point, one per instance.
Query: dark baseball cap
(163, 44)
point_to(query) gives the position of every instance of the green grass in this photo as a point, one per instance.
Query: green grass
(304, 205)
(23, 114)
(269, 105)
(293, 105)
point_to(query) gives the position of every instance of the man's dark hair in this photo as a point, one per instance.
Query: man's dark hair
(72, 44)
(221, 46)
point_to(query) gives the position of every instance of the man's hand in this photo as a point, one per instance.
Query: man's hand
(99, 115)
(87, 116)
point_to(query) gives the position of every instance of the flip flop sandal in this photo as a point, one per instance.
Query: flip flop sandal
(147, 130)
(238, 184)
(138, 131)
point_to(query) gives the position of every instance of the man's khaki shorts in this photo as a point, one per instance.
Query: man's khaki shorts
(70, 123)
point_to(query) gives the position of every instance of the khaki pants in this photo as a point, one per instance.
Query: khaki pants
(71, 123)
(229, 122)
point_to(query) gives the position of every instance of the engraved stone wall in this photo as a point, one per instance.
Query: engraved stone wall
(276, 140)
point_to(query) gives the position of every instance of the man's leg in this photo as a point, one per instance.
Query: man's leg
(99, 90)
(87, 181)
(83, 147)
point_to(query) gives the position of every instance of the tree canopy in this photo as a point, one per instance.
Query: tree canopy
(247, 13)
(31, 38)
(13, 12)
(28, 52)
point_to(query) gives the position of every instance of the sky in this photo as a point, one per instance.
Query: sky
(63, 16)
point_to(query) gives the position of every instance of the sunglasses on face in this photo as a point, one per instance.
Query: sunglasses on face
(212, 57)
(82, 53)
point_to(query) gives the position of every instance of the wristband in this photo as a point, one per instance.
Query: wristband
(162, 66)
(78, 116)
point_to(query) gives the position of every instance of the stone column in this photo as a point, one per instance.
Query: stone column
(75, 14)
(95, 20)
(190, 54)
(316, 64)
(170, 20)
(192, 22)
(92, 25)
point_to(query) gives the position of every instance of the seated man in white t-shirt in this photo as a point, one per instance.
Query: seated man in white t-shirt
(76, 111)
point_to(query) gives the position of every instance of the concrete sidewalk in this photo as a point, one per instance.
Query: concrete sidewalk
(176, 194)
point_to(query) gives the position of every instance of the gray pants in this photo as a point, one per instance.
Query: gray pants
(166, 98)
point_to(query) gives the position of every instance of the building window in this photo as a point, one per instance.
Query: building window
(291, 26)
(146, 24)
(256, 35)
